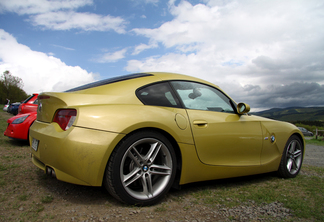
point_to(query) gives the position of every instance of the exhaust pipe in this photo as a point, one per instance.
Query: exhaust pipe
(50, 171)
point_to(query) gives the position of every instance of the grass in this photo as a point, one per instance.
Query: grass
(47, 199)
(161, 208)
(26, 194)
(303, 195)
(319, 141)
(23, 197)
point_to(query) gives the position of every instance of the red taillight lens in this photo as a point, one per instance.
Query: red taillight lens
(65, 118)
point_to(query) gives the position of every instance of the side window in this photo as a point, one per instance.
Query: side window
(202, 97)
(159, 94)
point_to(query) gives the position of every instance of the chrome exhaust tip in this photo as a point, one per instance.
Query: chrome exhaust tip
(50, 171)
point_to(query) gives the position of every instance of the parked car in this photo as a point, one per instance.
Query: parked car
(29, 105)
(13, 108)
(305, 131)
(140, 134)
(5, 108)
(18, 126)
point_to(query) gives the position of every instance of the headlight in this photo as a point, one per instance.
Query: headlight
(20, 120)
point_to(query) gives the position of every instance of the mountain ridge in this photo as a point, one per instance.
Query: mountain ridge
(293, 113)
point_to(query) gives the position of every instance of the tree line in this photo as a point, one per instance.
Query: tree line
(11, 88)
(309, 123)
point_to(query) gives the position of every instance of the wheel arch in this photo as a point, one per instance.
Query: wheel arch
(302, 140)
(170, 139)
(291, 170)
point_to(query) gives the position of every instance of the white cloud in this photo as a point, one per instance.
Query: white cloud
(39, 71)
(63, 47)
(141, 47)
(112, 56)
(22, 7)
(73, 20)
(60, 15)
(246, 47)
(241, 43)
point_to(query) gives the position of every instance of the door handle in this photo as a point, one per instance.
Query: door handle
(200, 123)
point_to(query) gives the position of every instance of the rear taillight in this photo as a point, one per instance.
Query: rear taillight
(65, 118)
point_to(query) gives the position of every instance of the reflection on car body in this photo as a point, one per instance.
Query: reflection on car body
(142, 133)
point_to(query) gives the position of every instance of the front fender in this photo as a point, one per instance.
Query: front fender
(281, 131)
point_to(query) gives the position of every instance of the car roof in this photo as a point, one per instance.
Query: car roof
(161, 76)
(108, 81)
(118, 90)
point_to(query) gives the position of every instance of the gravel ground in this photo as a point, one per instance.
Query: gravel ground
(247, 211)
(185, 210)
(314, 155)
(80, 203)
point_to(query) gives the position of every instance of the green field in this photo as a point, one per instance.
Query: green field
(27, 194)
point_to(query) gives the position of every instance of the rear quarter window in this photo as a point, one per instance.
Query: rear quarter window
(159, 94)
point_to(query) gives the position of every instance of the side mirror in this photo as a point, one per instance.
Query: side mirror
(243, 108)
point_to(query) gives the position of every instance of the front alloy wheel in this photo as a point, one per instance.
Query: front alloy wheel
(141, 170)
(292, 158)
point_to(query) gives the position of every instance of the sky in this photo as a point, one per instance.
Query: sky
(266, 53)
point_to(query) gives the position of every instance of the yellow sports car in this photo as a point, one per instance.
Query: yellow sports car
(141, 134)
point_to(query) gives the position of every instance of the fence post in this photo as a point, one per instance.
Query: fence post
(316, 133)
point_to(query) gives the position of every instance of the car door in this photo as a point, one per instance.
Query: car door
(221, 136)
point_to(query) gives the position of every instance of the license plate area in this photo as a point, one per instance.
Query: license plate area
(35, 144)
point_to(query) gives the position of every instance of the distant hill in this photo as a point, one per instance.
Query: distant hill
(294, 114)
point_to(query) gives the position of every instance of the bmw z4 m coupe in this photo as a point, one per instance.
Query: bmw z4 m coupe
(140, 134)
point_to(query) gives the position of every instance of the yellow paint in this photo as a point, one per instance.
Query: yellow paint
(212, 144)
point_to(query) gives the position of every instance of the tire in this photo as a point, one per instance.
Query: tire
(292, 158)
(141, 169)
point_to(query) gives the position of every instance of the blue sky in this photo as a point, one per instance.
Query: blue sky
(266, 53)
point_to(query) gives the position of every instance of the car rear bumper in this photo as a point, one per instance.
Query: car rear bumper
(78, 155)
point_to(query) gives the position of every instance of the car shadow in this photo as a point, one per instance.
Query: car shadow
(15, 142)
(75, 194)
(86, 195)
(235, 182)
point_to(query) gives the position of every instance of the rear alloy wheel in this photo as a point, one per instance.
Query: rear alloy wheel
(292, 158)
(141, 169)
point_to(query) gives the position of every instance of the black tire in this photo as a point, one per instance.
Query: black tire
(292, 158)
(141, 169)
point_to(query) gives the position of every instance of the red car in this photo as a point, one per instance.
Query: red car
(18, 126)
(29, 105)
